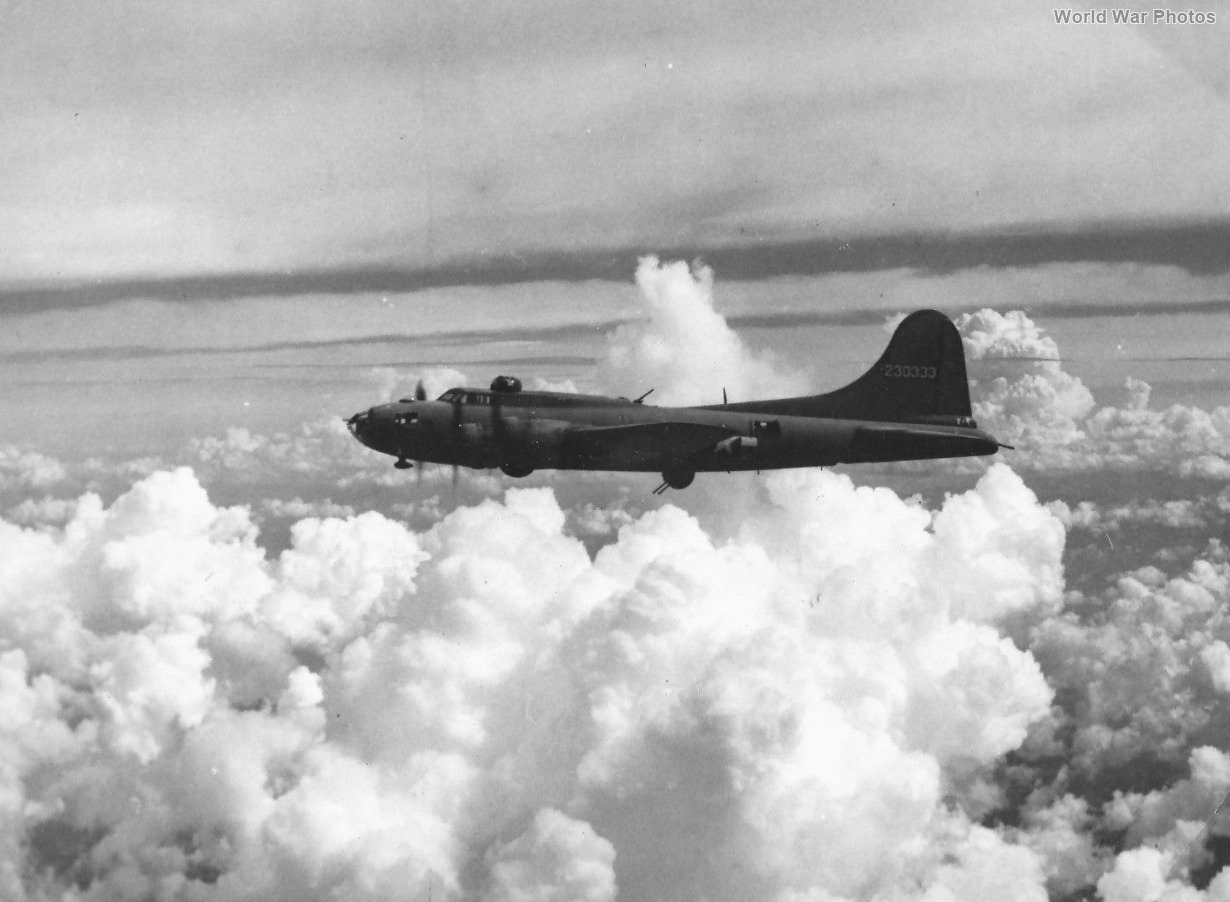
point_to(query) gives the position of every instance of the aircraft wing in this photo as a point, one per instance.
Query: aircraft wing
(658, 443)
(907, 442)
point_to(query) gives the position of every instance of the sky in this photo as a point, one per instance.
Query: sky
(156, 140)
(242, 657)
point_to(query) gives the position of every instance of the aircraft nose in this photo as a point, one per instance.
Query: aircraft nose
(356, 423)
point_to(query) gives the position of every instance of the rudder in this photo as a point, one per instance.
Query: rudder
(920, 374)
(920, 377)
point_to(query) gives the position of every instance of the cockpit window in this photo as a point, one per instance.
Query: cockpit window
(461, 396)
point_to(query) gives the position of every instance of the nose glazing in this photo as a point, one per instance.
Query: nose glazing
(356, 422)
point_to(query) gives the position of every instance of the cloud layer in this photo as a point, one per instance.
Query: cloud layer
(1027, 398)
(828, 692)
(482, 710)
(467, 133)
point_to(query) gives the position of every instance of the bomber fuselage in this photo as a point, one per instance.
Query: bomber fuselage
(541, 430)
(912, 404)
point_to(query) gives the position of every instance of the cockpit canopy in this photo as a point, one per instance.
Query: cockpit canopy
(466, 396)
(506, 385)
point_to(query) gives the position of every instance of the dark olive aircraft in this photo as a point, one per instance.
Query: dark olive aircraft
(912, 405)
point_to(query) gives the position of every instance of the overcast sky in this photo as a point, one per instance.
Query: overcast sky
(161, 139)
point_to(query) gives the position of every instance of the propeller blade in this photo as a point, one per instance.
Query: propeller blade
(497, 426)
(420, 393)
(419, 477)
(456, 472)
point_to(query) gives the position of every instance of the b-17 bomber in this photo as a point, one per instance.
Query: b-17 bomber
(913, 404)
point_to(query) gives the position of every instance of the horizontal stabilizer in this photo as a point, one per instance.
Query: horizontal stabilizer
(901, 442)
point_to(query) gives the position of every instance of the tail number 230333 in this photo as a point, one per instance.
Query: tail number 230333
(908, 371)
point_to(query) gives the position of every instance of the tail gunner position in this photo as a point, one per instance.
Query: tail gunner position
(912, 405)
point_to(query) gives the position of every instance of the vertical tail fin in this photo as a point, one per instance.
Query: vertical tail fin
(920, 374)
(919, 377)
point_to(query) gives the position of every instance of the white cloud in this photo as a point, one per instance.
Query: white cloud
(298, 509)
(45, 511)
(598, 519)
(1182, 513)
(1188, 440)
(684, 349)
(985, 867)
(27, 470)
(1139, 671)
(483, 709)
(319, 447)
(1062, 836)
(1027, 399)
(1192, 802)
(1139, 875)
(557, 859)
(469, 704)
(147, 689)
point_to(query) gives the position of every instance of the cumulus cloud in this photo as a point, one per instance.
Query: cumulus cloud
(1181, 513)
(683, 348)
(1141, 672)
(298, 509)
(557, 859)
(1189, 440)
(47, 510)
(316, 448)
(482, 710)
(600, 520)
(20, 469)
(1025, 397)
(836, 694)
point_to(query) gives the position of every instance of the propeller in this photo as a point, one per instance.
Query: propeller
(456, 437)
(499, 428)
(420, 394)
